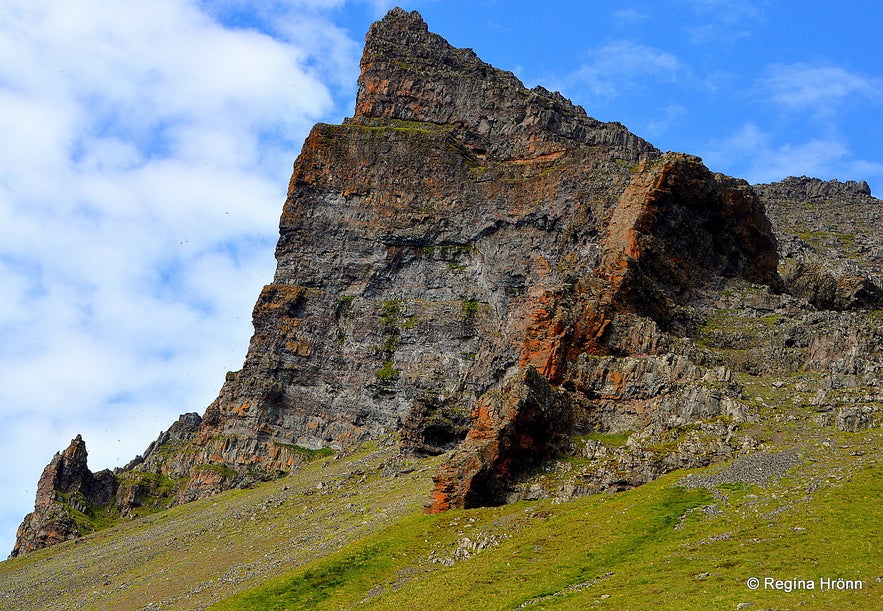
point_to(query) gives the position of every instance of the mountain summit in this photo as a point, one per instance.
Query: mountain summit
(488, 272)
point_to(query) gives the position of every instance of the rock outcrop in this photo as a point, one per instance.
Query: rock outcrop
(67, 495)
(492, 273)
(832, 256)
(513, 429)
(415, 242)
(675, 227)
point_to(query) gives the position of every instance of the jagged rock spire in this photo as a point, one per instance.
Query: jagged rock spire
(66, 486)
(408, 73)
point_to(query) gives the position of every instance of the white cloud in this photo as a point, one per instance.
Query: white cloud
(723, 20)
(759, 157)
(819, 89)
(631, 15)
(622, 65)
(727, 10)
(146, 153)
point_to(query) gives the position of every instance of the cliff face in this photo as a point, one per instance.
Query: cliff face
(488, 271)
(416, 243)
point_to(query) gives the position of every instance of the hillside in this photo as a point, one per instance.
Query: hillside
(350, 532)
(496, 325)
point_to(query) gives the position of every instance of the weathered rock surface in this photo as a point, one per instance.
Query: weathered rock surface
(492, 273)
(513, 429)
(66, 491)
(830, 241)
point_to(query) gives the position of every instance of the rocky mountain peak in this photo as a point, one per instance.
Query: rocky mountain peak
(410, 74)
(487, 272)
(67, 471)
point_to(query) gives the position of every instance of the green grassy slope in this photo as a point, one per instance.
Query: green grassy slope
(202, 552)
(351, 533)
(660, 546)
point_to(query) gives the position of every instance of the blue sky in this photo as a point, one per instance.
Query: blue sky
(147, 148)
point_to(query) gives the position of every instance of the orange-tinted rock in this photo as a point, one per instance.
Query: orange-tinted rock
(465, 245)
(513, 430)
(66, 486)
(673, 228)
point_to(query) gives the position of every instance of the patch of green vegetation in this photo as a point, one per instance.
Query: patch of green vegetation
(611, 440)
(769, 320)
(156, 489)
(308, 453)
(222, 470)
(470, 308)
(170, 448)
(344, 306)
(476, 171)
(155, 492)
(105, 516)
(343, 313)
(392, 321)
(659, 546)
(86, 516)
(84, 521)
(845, 240)
(390, 344)
(387, 372)
(398, 125)
(539, 549)
(731, 486)
(390, 312)
(728, 320)
(316, 586)
(364, 542)
(156, 481)
(631, 166)
(450, 250)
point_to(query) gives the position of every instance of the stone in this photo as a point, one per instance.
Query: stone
(512, 432)
(493, 275)
(66, 488)
(834, 261)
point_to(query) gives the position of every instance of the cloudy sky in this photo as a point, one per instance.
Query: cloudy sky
(146, 149)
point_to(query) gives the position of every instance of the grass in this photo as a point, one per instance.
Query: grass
(351, 533)
(391, 323)
(399, 125)
(200, 553)
(343, 313)
(387, 372)
(321, 586)
(659, 546)
(308, 453)
(469, 309)
(610, 440)
(391, 311)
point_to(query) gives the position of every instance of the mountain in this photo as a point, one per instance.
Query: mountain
(537, 304)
